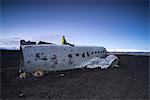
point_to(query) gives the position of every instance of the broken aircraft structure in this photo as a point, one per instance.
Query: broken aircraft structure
(38, 58)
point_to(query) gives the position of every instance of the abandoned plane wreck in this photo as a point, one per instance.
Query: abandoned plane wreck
(44, 57)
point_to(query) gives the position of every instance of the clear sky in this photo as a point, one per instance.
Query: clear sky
(112, 24)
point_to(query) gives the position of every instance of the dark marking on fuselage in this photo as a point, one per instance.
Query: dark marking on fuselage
(83, 55)
(69, 55)
(54, 60)
(44, 58)
(37, 55)
(70, 61)
(42, 53)
(88, 54)
(28, 61)
(54, 57)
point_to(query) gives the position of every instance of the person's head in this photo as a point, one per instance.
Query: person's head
(63, 37)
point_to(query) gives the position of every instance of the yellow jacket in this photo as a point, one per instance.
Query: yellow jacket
(63, 40)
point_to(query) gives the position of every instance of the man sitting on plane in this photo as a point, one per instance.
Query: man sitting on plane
(65, 42)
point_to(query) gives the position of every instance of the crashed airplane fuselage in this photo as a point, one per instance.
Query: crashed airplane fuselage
(50, 57)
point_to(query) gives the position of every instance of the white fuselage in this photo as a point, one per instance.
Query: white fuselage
(58, 57)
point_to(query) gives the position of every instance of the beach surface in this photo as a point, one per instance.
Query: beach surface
(130, 81)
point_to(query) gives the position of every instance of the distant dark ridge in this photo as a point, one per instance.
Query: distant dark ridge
(5, 51)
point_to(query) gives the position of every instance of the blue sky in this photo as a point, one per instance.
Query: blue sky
(112, 24)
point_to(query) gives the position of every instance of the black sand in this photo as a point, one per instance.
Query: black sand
(129, 81)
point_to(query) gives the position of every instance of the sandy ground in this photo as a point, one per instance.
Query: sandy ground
(130, 81)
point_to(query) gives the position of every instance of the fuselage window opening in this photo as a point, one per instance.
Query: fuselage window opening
(95, 52)
(83, 55)
(77, 54)
(92, 53)
(69, 55)
(98, 51)
(88, 54)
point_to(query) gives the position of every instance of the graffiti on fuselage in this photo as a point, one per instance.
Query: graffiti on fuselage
(40, 56)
